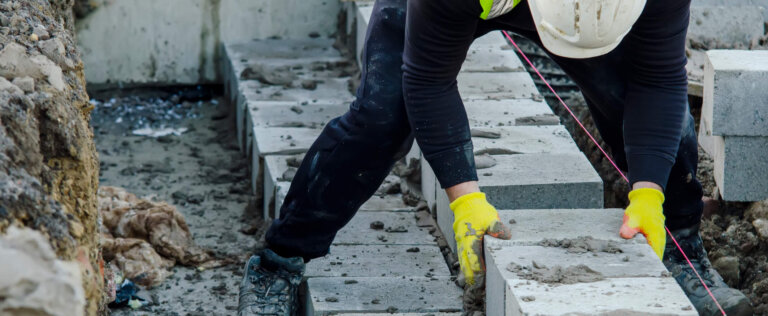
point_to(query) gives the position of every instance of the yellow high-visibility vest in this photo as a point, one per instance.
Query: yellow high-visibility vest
(494, 8)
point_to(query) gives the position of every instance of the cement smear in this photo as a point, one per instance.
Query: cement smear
(556, 274)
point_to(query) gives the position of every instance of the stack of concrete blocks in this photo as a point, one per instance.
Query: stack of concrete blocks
(276, 124)
(617, 276)
(734, 122)
(281, 119)
(724, 23)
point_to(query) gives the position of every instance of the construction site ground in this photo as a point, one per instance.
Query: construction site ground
(201, 172)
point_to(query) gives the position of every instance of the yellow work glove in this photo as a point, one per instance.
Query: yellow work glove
(645, 215)
(474, 217)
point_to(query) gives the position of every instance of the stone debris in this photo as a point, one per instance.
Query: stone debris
(26, 84)
(33, 281)
(16, 62)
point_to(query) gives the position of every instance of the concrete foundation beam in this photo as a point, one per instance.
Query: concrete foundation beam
(734, 92)
(330, 296)
(376, 261)
(276, 141)
(727, 24)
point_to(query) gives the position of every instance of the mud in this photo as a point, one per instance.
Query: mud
(556, 274)
(187, 172)
(583, 244)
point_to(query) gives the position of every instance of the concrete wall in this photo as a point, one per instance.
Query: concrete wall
(178, 41)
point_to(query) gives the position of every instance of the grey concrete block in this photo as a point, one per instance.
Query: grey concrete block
(509, 112)
(496, 86)
(399, 228)
(275, 168)
(726, 24)
(276, 141)
(533, 181)
(542, 181)
(388, 203)
(429, 185)
(751, 3)
(376, 261)
(534, 225)
(281, 190)
(364, 11)
(735, 98)
(326, 296)
(613, 296)
(525, 140)
(490, 58)
(634, 260)
(705, 138)
(741, 169)
(289, 114)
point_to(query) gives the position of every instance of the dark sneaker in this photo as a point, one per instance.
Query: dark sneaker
(270, 285)
(733, 301)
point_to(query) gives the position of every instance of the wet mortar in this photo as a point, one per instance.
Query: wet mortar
(201, 172)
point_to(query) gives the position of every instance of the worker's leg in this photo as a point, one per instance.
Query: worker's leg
(354, 153)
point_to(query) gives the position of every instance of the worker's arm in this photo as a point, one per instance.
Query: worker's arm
(656, 105)
(437, 37)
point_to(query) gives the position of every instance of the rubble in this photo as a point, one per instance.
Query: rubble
(33, 281)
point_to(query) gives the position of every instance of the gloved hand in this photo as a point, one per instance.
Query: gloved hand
(645, 215)
(474, 217)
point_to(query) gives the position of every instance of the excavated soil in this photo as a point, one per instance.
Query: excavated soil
(200, 172)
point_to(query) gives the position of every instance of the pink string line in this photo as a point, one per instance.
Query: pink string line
(610, 160)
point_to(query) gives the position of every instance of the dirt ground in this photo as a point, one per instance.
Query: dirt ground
(201, 172)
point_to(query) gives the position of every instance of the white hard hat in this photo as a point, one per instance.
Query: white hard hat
(584, 28)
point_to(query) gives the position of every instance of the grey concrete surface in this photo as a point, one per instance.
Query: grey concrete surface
(328, 296)
(508, 112)
(359, 232)
(741, 168)
(735, 97)
(525, 140)
(379, 261)
(496, 85)
(178, 41)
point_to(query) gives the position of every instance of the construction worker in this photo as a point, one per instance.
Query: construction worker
(628, 58)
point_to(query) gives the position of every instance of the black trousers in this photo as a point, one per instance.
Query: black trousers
(356, 151)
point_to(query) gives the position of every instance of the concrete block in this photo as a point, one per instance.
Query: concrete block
(634, 260)
(533, 181)
(509, 112)
(289, 114)
(705, 138)
(429, 185)
(534, 225)
(368, 261)
(496, 86)
(414, 153)
(494, 38)
(726, 24)
(364, 11)
(525, 140)
(735, 97)
(326, 296)
(399, 228)
(275, 167)
(388, 203)
(613, 296)
(741, 170)
(281, 190)
(542, 181)
(276, 141)
(490, 58)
